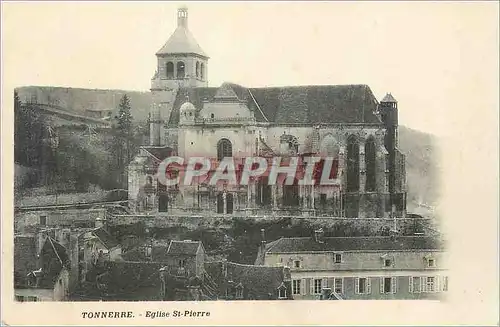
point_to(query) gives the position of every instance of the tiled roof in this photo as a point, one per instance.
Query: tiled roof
(25, 258)
(107, 239)
(183, 247)
(290, 105)
(158, 152)
(308, 244)
(259, 281)
(181, 41)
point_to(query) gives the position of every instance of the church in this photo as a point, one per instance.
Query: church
(188, 118)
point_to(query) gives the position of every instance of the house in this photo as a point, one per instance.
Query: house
(392, 267)
(186, 257)
(234, 281)
(96, 247)
(48, 276)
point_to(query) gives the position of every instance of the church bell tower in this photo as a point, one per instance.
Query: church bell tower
(181, 63)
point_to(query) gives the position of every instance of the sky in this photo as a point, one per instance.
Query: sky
(430, 56)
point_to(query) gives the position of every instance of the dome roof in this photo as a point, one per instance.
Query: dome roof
(187, 106)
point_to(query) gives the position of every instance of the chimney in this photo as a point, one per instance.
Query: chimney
(182, 17)
(318, 235)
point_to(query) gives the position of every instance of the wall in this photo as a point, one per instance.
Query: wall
(61, 288)
(55, 217)
(357, 260)
(402, 290)
(40, 293)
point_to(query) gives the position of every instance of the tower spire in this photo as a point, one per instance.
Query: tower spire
(182, 17)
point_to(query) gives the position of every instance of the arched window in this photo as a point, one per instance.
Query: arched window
(352, 164)
(197, 69)
(224, 149)
(220, 203)
(370, 164)
(291, 195)
(202, 71)
(170, 70)
(149, 180)
(229, 203)
(181, 70)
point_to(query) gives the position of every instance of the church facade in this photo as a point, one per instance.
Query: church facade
(190, 119)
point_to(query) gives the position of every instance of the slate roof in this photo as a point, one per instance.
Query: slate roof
(376, 243)
(183, 247)
(107, 239)
(181, 41)
(314, 104)
(259, 281)
(25, 258)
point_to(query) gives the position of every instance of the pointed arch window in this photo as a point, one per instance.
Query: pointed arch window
(224, 149)
(170, 70)
(181, 70)
(370, 164)
(352, 164)
(202, 71)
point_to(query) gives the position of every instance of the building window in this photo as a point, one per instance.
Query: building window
(338, 285)
(170, 70)
(224, 149)
(182, 263)
(387, 262)
(197, 69)
(296, 263)
(317, 285)
(337, 257)
(388, 285)
(415, 285)
(212, 116)
(363, 285)
(43, 220)
(352, 164)
(181, 70)
(239, 291)
(370, 164)
(431, 263)
(430, 284)
(296, 287)
(322, 199)
(282, 292)
(202, 71)
(444, 284)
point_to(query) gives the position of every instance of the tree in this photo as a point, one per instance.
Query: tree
(123, 138)
(29, 129)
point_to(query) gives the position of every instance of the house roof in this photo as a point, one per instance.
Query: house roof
(106, 238)
(376, 243)
(25, 257)
(183, 247)
(258, 280)
(54, 259)
(181, 41)
(314, 104)
(133, 280)
(159, 152)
